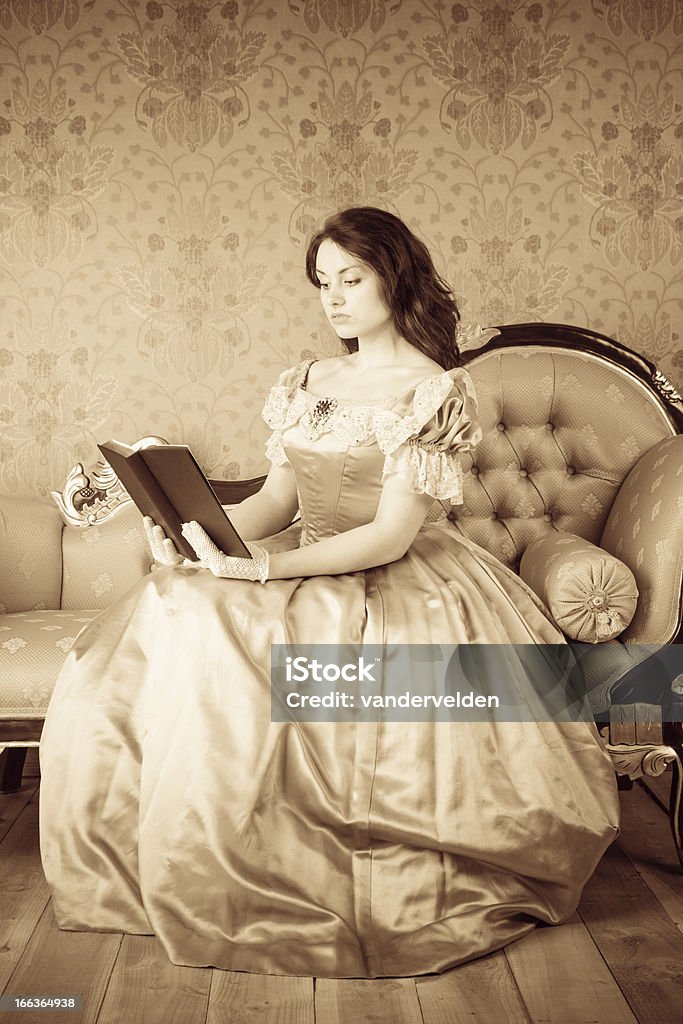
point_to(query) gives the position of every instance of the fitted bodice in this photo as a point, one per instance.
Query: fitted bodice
(339, 484)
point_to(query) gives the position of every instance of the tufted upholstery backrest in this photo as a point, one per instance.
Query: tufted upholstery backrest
(562, 428)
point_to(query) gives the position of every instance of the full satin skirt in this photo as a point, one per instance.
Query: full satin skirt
(172, 804)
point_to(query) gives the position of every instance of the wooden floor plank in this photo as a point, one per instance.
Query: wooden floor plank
(660, 784)
(64, 964)
(563, 979)
(12, 804)
(367, 1002)
(146, 988)
(238, 998)
(479, 993)
(23, 889)
(637, 938)
(646, 840)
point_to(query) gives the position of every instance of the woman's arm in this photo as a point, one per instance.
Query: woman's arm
(269, 510)
(400, 514)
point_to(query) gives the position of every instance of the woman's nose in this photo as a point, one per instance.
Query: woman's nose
(334, 296)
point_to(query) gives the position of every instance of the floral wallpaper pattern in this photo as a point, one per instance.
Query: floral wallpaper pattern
(162, 164)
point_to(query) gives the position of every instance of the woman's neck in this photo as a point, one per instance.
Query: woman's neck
(389, 349)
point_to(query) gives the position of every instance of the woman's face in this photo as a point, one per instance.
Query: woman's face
(351, 294)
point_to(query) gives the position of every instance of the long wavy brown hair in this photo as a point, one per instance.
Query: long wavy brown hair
(422, 304)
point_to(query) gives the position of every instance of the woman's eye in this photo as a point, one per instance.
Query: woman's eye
(352, 282)
(324, 285)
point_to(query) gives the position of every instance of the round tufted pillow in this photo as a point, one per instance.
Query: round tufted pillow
(591, 594)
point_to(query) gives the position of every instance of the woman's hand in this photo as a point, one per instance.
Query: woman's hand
(212, 558)
(164, 551)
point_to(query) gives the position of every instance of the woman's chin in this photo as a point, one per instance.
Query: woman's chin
(344, 331)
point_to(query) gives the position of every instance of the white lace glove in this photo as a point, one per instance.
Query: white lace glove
(164, 551)
(220, 564)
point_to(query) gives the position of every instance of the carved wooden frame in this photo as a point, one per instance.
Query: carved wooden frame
(89, 499)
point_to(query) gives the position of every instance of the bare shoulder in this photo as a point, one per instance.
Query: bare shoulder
(417, 370)
(323, 371)
(424, 366)
(331, 364)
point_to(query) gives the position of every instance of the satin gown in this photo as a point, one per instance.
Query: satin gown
(172, 804)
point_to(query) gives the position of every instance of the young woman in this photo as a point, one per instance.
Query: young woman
(172, 803)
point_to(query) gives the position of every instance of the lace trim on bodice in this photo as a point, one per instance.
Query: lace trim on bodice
(428, 463)
(354, 423)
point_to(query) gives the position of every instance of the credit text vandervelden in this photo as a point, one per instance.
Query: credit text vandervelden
(306, 670)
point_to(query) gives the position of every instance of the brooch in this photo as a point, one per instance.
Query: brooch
(321, 412)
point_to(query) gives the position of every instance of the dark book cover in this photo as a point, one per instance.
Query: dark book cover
(167, 483)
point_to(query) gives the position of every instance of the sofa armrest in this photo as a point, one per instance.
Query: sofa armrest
(104, 547)
(645, 530)
(102, 561)
(30, 555)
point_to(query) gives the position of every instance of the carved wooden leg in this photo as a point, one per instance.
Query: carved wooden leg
(11, 767)
(632, 759)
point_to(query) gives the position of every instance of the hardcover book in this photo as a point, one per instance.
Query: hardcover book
(167, 483)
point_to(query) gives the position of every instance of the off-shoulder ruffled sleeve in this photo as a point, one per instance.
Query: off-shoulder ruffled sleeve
(280, 409)
(423, 438)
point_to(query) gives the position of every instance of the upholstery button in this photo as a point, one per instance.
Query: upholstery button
(475, 471)
(570, 471)
(550, 426)
(523, 472)
(500, 426)
(494, 516)
(548, 517)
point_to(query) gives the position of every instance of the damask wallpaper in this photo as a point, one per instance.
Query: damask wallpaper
(162, 164)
